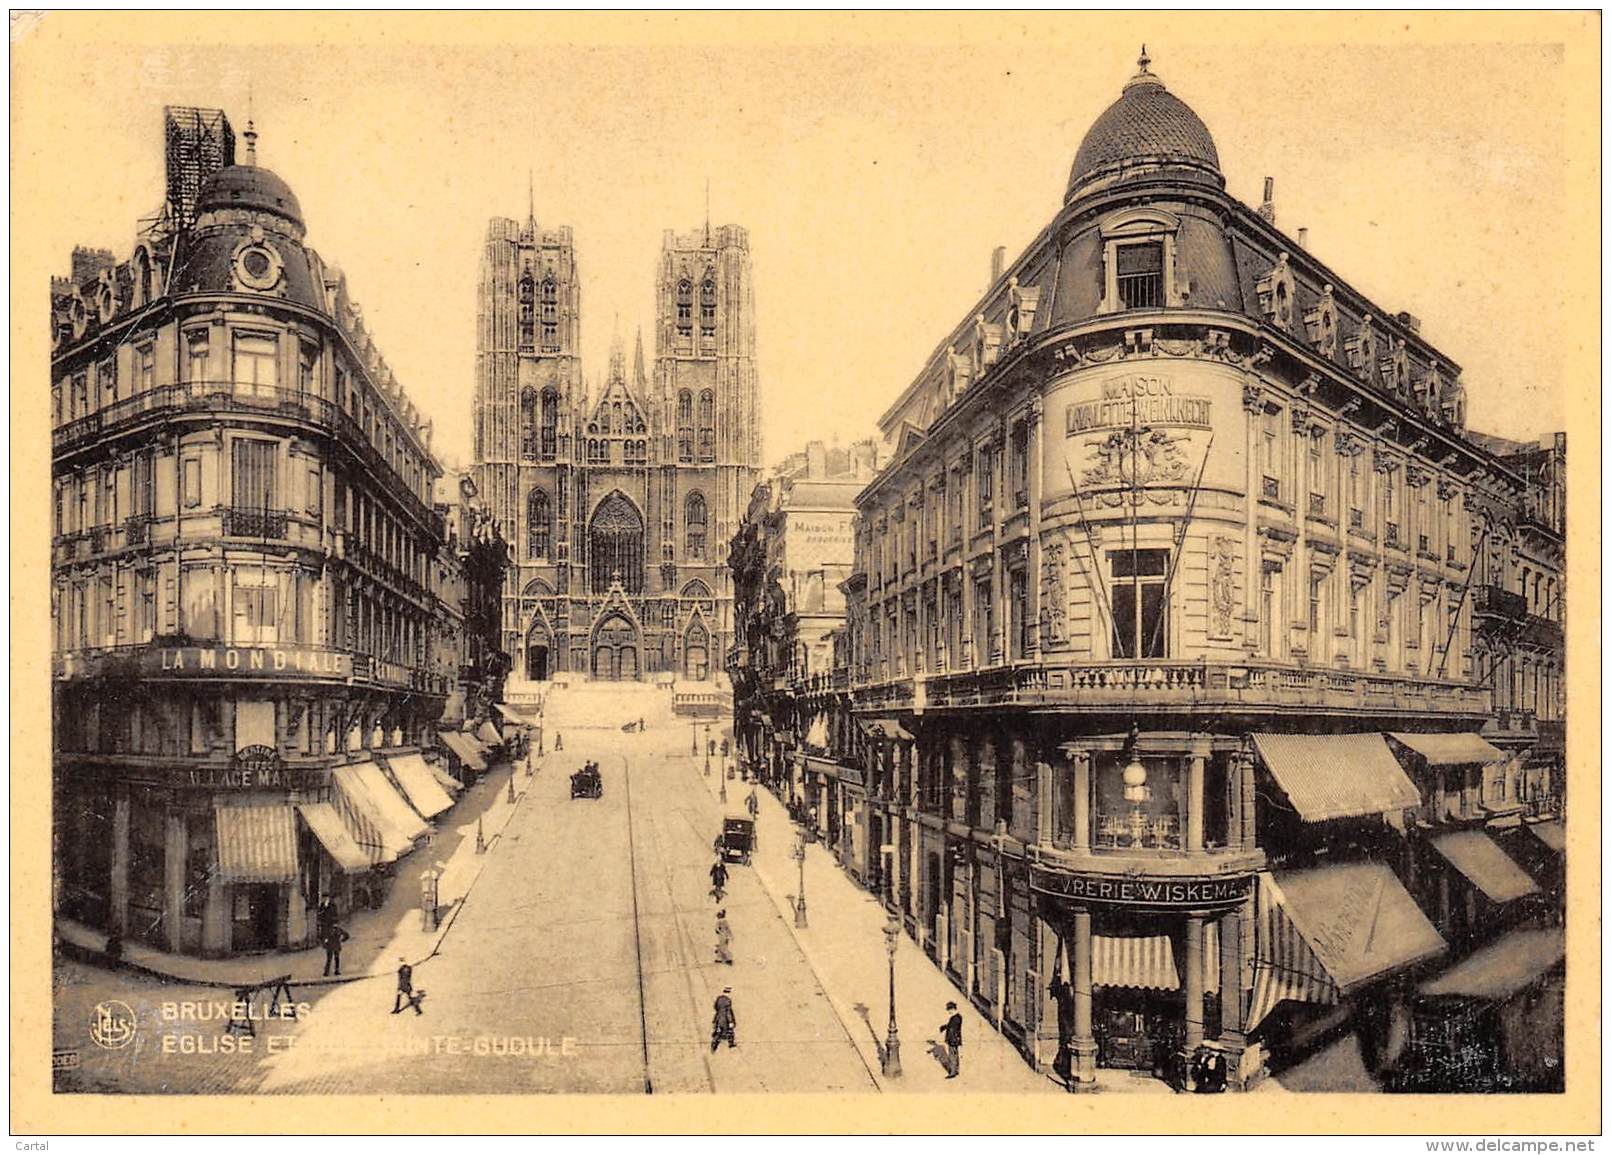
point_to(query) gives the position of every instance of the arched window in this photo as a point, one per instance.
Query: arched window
(528, 313)
(615, 545)
(707, 426)
(685, 426)
(685, 308)
(550, 428)
(694, 526)
(550, 316)
(142, 278)
(528, 424)
(616, 424)
(707, 307)
(539, 525)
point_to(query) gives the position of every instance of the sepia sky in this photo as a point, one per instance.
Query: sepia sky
(874, 177)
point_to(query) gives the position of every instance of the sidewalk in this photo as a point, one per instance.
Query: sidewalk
(377, 937)
(844, 945)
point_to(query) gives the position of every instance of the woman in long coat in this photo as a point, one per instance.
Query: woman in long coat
(724, 939)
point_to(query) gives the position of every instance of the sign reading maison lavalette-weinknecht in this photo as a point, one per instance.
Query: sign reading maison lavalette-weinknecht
(1147, 893)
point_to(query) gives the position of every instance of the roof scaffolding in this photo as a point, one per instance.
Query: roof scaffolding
(198, 142)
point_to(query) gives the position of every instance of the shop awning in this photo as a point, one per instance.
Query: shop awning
(445, 780)
(372, 825)
(415, 778)
(817, 732)
(1337, 775)
(256, 843)
(1451, 749)
(334, 836)
(464, 749)
(396, 808)
(488, 734)
(1320, 933)
(1489, 868)
(886, 728)
(823, 766)
(1502, 968)
(521, 715)
(1552, 834)
(1148, 962)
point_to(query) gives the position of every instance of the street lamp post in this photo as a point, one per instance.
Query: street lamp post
(694, 738)
(892, 1041)
(721, 768)
(800, 900)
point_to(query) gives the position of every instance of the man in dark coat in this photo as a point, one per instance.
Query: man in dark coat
(718, 879)
(405, 990)
(724, 1025)
(951, 1030)
(1063, 995)
(331, 936)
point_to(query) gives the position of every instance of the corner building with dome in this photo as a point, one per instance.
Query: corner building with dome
(1161, 639)
(618, 501)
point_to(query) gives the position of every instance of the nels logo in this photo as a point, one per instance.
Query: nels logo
(112, 1025)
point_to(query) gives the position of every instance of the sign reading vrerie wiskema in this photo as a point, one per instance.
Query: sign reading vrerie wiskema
(1143, 893)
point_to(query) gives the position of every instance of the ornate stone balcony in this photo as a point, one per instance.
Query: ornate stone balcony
(1176, 686)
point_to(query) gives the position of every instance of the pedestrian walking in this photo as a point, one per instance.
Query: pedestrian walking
(326, 917)
(724, 939)
(718, 877)
(405, 990)
(951, 1031)
(753, 804)
(559, 740)
(1063, 995)
(724, 1025)
(331, 937)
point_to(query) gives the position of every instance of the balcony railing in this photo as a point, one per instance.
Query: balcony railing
(260, 523)
(1496, 601)
(1180, 685)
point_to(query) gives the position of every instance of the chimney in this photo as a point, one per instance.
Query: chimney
(816, 459)
(998, 262)
(1303, 237)
(1410, 322)
(89, 263)
(1267, 209)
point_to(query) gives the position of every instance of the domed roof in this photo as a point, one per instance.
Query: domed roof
(245, 186)
(1148, 126)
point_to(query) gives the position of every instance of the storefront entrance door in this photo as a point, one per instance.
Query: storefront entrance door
(257, 916)
(1136, 1030)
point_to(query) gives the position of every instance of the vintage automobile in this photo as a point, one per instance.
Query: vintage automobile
(737, 839)
(587, 783)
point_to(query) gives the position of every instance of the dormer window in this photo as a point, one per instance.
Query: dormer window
(1139, 261)
(1140, 276)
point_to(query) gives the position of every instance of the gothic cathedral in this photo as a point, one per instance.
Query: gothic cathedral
(619, 501)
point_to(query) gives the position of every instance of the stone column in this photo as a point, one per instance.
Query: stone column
(1084, 1042)
(176, 853)
(118, 888)
(1081, 840)
(216, 919)
(1249, 801)
(1253, 406)
(1194, 981)
(1045, 795)
(1032, 466)
(1231, 1030)
(1195, 773)
(998, 595)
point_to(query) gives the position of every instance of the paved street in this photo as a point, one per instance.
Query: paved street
(537, 985)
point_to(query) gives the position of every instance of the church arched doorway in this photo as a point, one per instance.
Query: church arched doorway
(538, 650)
(696, 654)
(615, 545)
(615, 650)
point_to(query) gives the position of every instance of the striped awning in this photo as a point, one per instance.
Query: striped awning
(1323, 932)
(1450, 749)
(422, 790)
(1337, 775)
(256, 843)
(464, 749)
(445, 780)
(488, 733)
(1487, 867)
(372, 826)
(392, 803)
(325, 822)
(520, 715)
(1148, 962)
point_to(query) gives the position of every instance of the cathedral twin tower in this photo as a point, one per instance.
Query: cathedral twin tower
(618, 503)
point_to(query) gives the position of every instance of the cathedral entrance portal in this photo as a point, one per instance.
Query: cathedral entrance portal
(538, 662)
(615, 650)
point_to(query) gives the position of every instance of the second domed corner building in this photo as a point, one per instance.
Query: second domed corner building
(619, 502)
(1177, 530)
